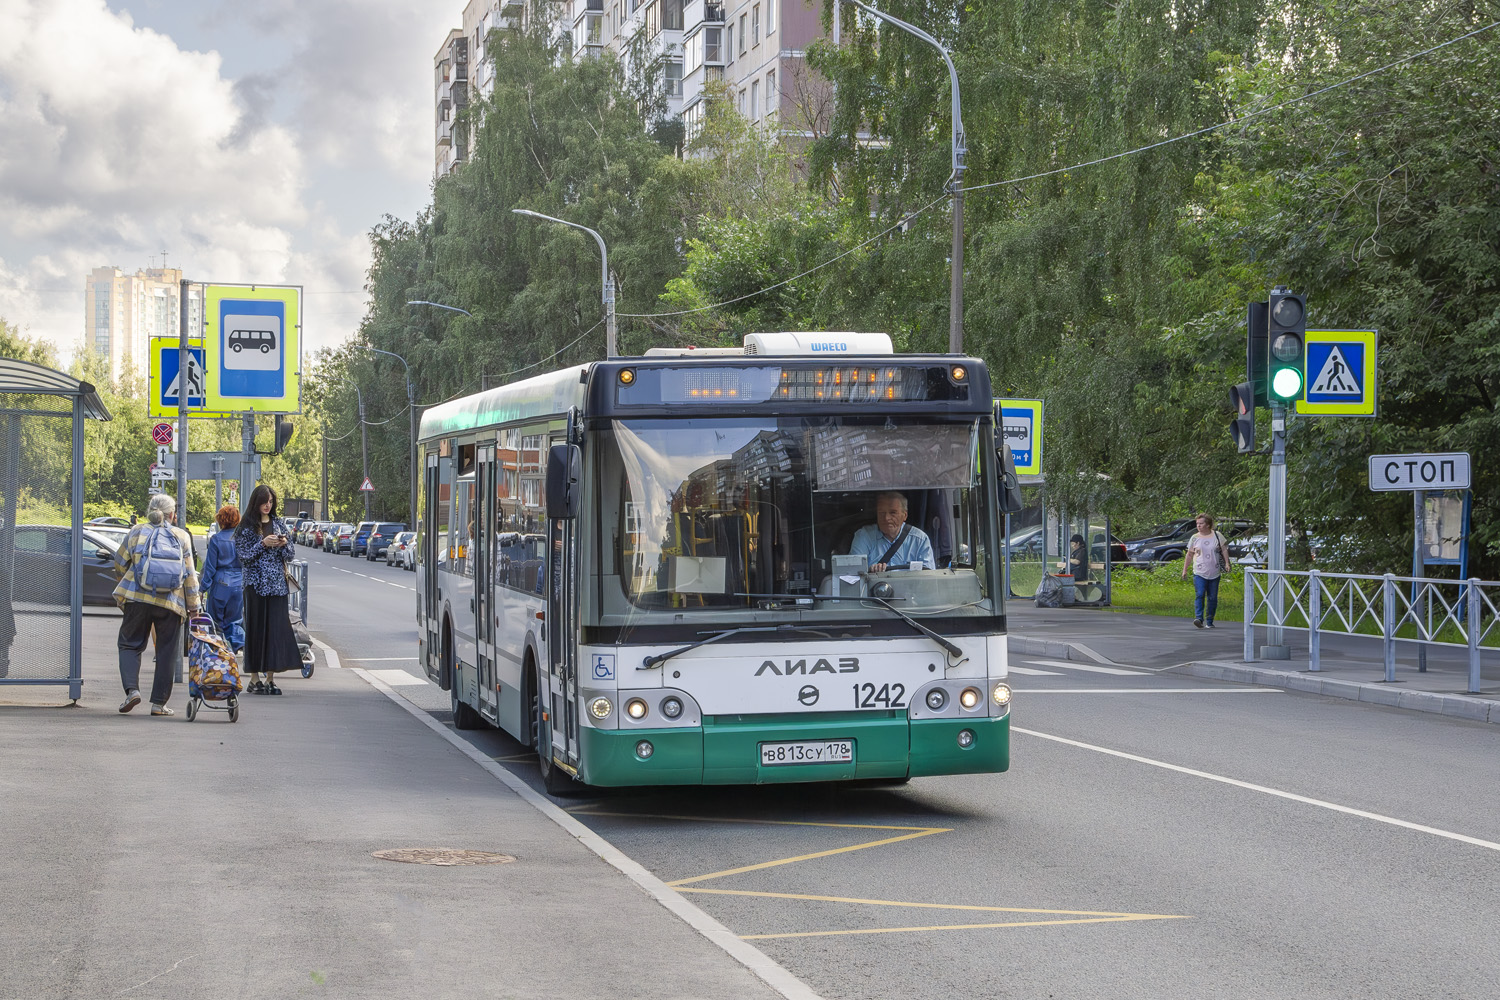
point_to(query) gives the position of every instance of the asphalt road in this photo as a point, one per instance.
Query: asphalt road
(1157, 836)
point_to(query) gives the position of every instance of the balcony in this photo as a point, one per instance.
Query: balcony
(445, 133)
(512, 8)
(713, 12)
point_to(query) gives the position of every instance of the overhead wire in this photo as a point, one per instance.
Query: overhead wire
(1242, 118)
(1076, 166)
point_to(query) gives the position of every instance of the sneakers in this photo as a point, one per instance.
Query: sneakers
(1209, 625)
(132, 699)
(161, 710)
(1198, 623)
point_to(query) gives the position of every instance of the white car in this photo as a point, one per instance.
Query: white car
(402, 551)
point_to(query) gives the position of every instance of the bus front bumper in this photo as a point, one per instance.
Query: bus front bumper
(726, 751)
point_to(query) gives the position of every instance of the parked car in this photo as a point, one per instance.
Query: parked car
(1028, 544)
(380, 538)
(319, 530)
(395, 552)
(361, 535)
(42, 562)
(1172, 544)
(118, 522)
(336, 538)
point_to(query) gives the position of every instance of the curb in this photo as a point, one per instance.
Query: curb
(1452, 705)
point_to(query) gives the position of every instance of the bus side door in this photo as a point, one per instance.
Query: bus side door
(482, 556)
(433, 542)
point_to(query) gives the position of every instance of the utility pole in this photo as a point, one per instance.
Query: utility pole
(364, 449)
(325, 474)
(183, 390)
(1276, 534)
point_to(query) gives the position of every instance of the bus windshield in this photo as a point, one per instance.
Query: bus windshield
(702, 515)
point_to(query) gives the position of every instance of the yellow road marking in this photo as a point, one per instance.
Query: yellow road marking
(960, 927)
(767, 822)
(807, 857)
(932, 906)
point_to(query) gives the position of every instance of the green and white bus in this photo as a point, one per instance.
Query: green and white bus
(641, 566)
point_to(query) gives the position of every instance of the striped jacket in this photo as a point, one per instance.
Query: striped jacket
(182, 600)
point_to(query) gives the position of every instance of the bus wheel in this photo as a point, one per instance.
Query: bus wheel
(557, 781)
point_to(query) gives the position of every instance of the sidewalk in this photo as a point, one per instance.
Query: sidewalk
(1353, 667)
(160, 858)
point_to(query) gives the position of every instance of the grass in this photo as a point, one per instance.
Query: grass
(1163, 591)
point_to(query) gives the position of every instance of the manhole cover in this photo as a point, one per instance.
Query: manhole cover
(443, 856)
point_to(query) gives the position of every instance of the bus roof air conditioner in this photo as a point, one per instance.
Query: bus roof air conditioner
(859, 344)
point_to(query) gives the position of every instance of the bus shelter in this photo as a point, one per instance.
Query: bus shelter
(1059, 556)
(41, 523)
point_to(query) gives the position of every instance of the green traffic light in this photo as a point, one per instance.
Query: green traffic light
(1286, 383)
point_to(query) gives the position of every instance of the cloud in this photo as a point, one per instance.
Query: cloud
(118, 140)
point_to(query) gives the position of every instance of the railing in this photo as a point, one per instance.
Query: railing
(296, 599)
(713, 12)
(1395, 608)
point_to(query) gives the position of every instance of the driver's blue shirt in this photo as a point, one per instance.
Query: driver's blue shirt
(870, 543)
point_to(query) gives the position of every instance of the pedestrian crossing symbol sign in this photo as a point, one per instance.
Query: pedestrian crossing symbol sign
(1340, 374)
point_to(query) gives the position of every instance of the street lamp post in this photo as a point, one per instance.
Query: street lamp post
(411, 407)
(439, 305)
(609, 280)
(955, 183)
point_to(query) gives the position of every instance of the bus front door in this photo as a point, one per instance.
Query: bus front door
(562, 649)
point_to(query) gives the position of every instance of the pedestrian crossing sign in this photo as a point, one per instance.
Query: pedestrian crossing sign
(1340, 374)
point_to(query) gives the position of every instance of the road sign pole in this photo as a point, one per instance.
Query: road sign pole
(1418, 591)
(1276, 536)
(364, 451)
(184, 393)
(247, 458)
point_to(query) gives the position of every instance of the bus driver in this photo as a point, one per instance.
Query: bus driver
(891, 543)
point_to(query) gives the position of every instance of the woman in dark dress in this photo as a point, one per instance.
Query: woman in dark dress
(263, 543)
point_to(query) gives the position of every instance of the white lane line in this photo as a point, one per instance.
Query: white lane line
(1033, 672)
(1235, 690)
(1292, 796)
(1086, 667)
(398, 678)
(762, 965)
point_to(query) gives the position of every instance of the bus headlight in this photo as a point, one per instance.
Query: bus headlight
(965, 738)
(970, 697)
(671, 707)
(600, 708)
(635, 708)
(644, 749)
(936, 699)
(1001, 694)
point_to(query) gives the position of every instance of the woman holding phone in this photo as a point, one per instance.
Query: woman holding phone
(263, 543)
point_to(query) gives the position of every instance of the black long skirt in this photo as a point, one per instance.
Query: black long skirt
(270, 644)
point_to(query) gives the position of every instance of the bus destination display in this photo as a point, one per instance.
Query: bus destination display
(785, 383)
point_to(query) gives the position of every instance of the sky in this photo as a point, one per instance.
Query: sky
(252, 140)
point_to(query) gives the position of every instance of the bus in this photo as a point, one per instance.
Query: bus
(642, 566)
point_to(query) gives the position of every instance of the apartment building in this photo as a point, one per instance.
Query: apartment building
(758, 48)
(122, 312)
(463, 73)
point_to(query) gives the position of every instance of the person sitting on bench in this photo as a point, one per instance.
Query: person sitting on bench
(891, 543)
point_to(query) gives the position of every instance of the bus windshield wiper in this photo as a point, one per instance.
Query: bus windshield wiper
(952, 649)
(652, 661)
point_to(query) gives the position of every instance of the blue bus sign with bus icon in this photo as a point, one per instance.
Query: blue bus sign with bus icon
(252, 348)
(1018, 422)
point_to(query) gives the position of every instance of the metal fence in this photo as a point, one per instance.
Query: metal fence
(296, 601)
(1458, 613)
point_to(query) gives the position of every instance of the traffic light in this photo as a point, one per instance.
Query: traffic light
(1242, 398)
(284, 429)
(1255, 352)
(1286, 335)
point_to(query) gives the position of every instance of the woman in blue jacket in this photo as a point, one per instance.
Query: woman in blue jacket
(223, 579)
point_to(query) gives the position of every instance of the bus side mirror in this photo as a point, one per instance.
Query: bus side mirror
(564, 470)
(1010, 484)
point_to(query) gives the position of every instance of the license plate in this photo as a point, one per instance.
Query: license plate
(812, 752)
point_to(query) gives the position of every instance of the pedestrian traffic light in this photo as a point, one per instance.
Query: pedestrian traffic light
(284, 429)
(1242, 427)
(1255, 352)
(1286, 335)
